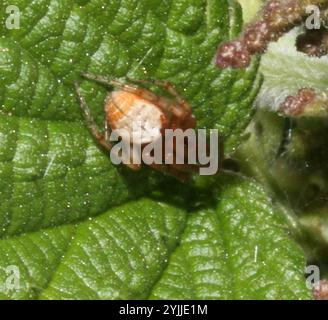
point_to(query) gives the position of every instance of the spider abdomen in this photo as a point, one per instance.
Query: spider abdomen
(134, 118)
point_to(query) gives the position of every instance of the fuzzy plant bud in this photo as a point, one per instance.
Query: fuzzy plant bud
(307, 103)
(320, 291)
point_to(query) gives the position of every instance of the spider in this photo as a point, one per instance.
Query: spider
(129, 103)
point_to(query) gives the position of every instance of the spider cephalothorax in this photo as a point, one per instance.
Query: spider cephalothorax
(129, 108)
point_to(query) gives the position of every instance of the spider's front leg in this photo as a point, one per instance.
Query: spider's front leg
(101, 138)
(110, 82)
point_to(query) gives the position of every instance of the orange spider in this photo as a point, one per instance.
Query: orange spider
(129, 104)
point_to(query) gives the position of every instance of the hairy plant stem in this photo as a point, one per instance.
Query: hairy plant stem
(276, 18)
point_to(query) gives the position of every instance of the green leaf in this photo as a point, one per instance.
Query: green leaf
(239, 250)
(147, 248)
(74, 224)
(105, 257)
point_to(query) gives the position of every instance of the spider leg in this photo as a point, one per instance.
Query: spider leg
(169, 87)
(129, 162)
(180, 175)
(107, 130)
(181, 109)
(183, 166)
(106, 125)
(133, 156)
(110, 82)
(102, 140)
